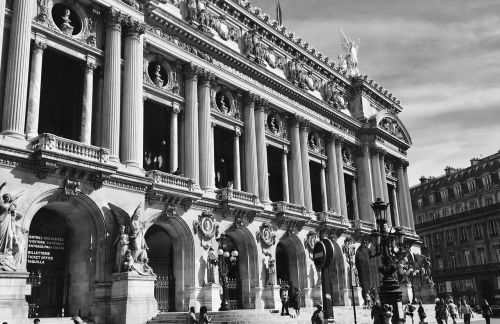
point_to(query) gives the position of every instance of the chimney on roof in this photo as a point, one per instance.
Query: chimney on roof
(474, 161)
(449, 170)
(423, 180)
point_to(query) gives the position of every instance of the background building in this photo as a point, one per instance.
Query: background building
(457, 215)
(201, 119)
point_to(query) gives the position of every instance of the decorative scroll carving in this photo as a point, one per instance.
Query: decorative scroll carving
(71, 188)
(310, 241)
(266, 236)
(206, 228)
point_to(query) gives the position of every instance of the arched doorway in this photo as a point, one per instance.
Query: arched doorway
(161, 261)
(282, 266)
(234, 291)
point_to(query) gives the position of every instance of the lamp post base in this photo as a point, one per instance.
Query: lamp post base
(393, 296)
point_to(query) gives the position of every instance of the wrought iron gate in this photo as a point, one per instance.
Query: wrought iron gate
(48, 294)
(234, 293)
(165, 293)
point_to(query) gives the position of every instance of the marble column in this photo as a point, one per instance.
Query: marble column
(322, 177)
(88, 89)
(2, 26)
(395, 207)
(251, 174)
(365, 187)
(191, 143)
(306, 173)
(174, 140)
(97, 115)
(354, 190)
(33, 114)
(236, 159)
(284, 174)
(260, 133)
(411, 220)
(403, 200)
(333, 179)
(16, 79)
(207, 178)
(296, 163)
(339, 140)
(112, 85)
(133, 111)
(377, 179)
(383, 178)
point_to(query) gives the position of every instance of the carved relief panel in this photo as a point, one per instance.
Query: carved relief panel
(276, 124)
(160, 72)
(206, 228)
(391, 126)
(315, 142)
(225, 101)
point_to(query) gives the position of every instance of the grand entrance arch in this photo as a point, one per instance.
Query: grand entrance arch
(65, 254)
(291, 267)
(171, 256)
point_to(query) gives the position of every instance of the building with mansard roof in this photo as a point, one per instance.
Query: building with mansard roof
(457, 215)
(148, 136)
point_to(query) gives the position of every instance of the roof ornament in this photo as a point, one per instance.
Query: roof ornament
(350, 48)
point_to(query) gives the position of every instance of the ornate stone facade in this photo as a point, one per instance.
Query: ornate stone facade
(227, 129)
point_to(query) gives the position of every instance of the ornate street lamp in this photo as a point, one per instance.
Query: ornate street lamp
(349, 250)
(226, 259)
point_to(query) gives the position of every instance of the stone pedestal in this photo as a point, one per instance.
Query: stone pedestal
(271, 297)
(258, 295)
(358, 296)
(211, 296)
(132, 299)
(407, 293)
(307, 294)
(317, 295)
(13, 305)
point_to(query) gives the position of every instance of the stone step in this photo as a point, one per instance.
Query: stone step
(56, 320)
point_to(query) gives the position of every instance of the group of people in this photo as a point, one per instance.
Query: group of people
(290, 297)
(381, 314)
(202, 319)
(448, 309)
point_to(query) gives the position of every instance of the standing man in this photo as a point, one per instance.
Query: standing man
(318, 316)
(284, 300)
(486, 311)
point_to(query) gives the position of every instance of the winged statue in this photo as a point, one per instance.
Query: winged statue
(350, 48)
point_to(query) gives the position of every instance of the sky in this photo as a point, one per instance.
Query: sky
(441, 58)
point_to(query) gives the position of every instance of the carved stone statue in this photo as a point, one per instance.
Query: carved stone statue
(122, 243)
(270, 265)
(11, 240)
(350, 48)
(66, 26)
(158, 79)
(339, 101)
(192, 11)
(222, 104)
(342, 63)
(220, 26)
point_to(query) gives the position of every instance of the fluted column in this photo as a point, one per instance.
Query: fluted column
(339, 140)
(260, 133)
(236, 159)
(207, 179)
(411, 221)
(365, 187)
(395, 207)
(251, 174)
(2, 26)
(16, 80)
(284, 174)
(33, 114)
(333, 179)
(133, 111)
(191, 143)
(306, 174)
(296, 163)
(88, 87)
(174, 140)
(354, 190)
(97, 126)
(112, 85)
(322, 177)
(383, 178)
(377, 179)
(403, 200)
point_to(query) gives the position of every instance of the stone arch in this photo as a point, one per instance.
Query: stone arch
(338, 269)
(248, 262)
(86, 247)
(184, 255)
(296, 260)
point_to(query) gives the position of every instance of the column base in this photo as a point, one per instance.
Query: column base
(210, 296)
(132, 298)
(132, 168)
(358, 296)
(13, 305)
(258, 298)
(307, 295)
(12, 133)
(271, 297)
(30, 136)
(193, 293)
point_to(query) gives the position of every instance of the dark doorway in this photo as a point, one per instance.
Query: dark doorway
(274, 168)
(348, 195)
(156, 137)
(46, 263)
(392, 204)
(315, 171)
(282, 265)
(161, 261)
(234, 291)
(223, 156)
(487, 291)
(61, 96)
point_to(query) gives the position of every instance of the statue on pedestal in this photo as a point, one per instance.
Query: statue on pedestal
(158, 79)
(11, 240)
(66, 26)
(350, 48)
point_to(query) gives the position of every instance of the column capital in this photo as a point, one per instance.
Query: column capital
(192, 71)
(375, 150)
(323, 164)
(113, 19)
(251, 97)
(334, 138)
(262, 104)
(237, 131)
(176, 109)
(213, 124)
(39, 44)
(90, 63)
(401, 163)
(206, 76)
(133, 28)
(285, 150)
(305, 124)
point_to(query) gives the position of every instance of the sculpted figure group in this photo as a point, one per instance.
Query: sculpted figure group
(12, 242)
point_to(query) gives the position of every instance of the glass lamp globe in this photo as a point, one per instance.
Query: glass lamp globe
(234, 253)
(220, 252)
(226, 254)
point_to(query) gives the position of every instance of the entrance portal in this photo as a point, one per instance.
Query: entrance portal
(282, 266)
(161, 261)
(46, 263)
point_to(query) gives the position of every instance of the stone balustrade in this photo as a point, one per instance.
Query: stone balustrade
(169, 179)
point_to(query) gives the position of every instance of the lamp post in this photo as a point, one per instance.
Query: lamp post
(226, 259)
(349, 250)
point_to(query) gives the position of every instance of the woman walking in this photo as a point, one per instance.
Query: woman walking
(466, 311)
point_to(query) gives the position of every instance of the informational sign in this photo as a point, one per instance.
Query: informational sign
(46, 250)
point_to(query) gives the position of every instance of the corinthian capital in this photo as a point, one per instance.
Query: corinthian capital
(39, 45)
(113, 19)
(334, 138)
(191, 70)
(206, 76)
(262, 104)
(133, 28)
(251, 97)
(377, 150)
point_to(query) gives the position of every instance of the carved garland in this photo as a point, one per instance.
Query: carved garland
(265, 236)
(206, 228)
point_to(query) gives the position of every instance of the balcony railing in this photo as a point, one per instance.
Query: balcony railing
(169, 179)
(242, 196)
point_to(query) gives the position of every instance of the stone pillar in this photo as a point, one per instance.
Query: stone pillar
(207, 178)
(395, 207)
(16, 79)
(97, 115)
(33, 114)
(236, 159)
(112, 86)
(324, 198)
(260, 133)
(411, 221)
(284, 174)
(333, 180)
(13, 297)
(306, 174)
(88, 87)
(355, 198)
(174, 140)
(339, 140)
(191, 144)
(133, 111)
(2, 26)
(377, 179)
(365, 188)
(403, 200)
(383, 178)
(296, 163)
(251, 176)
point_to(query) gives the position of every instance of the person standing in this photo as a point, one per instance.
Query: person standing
(443, 312)
(466, 311)
(452, 309)
(204, 318)
(486, 311)
(377, 312)
(421, 312)
(318, 316)
(284, 300)
(296, 301)
(191, 317)
(387, 314)
(409, 311)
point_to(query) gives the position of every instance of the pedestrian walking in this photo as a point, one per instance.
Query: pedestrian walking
(409, 310)
(486, 311)
(466, 311)
(204, 318)
(421, 312)
(318, 316)
(387, 314)
(377, 313)
(452, 310)
(296, 301)
(284, 300)
(191, 316)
